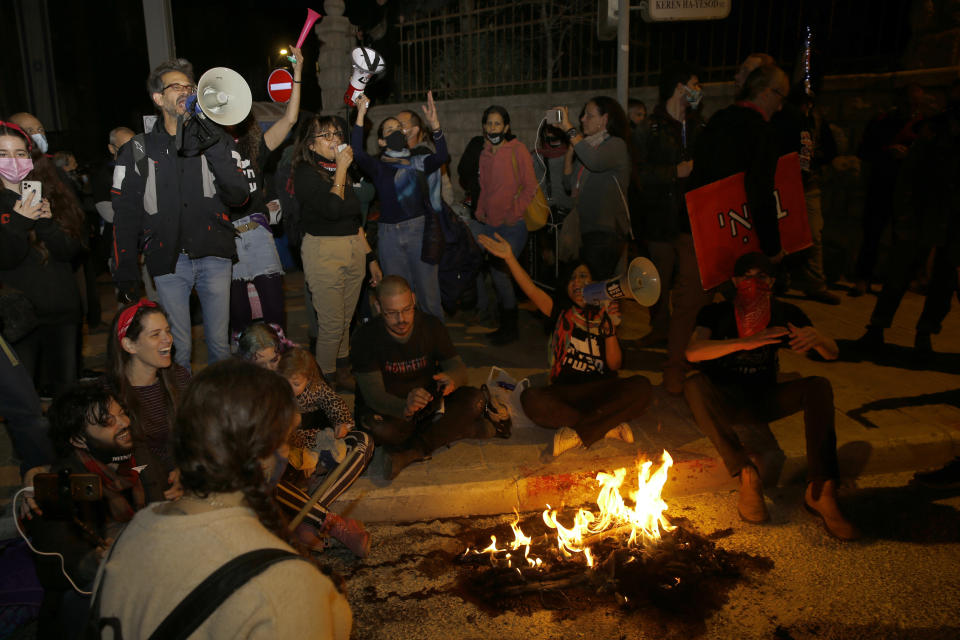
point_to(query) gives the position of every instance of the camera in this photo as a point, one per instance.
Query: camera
(57, 493)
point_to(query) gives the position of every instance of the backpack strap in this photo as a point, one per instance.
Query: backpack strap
(212, 592)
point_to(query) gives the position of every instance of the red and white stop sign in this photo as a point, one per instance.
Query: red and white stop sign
(280, 85)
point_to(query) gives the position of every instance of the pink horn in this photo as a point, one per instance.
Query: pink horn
(312, 16)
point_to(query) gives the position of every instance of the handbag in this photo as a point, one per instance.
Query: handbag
(538, 211)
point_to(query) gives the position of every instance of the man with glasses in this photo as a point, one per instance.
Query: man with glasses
(411, 393)
(735, 344)
(173, 208)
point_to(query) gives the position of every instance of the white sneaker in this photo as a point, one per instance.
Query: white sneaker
(621, 432)
(565, 439)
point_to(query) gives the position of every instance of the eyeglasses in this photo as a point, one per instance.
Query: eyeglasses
(782, 95)
(396, 315)
(178, 86)
(329, 135)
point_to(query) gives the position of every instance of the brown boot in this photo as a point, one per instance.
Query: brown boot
(751, 506)
(820, 499)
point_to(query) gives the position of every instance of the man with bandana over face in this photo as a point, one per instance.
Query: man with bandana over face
(91, 433)
(735, 345)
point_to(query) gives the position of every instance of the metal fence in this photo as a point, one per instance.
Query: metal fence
(477, 48)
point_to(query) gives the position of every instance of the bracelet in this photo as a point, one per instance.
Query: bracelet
(572, 132)
(297, 81)
(338, 186)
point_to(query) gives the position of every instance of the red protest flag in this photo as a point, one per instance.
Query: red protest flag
(722, 228)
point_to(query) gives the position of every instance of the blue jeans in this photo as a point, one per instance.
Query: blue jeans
(516, 236)
(211, 277)
(398, 246)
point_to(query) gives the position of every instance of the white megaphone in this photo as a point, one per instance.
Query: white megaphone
(224, 96)
(367, 63)
(641, 282)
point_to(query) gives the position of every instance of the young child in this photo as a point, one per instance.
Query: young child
(326, 448)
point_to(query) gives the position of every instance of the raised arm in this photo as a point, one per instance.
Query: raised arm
(369, 164)
(501, 249)
(277, 132)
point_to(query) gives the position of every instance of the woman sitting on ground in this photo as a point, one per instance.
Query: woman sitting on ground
(262, 345)
(585, 400)
(141, 371)
(233, 419)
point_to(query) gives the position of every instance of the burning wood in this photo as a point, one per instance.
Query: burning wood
(632, 554)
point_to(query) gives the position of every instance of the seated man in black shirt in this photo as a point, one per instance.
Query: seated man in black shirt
(411, 392)
(735, 344)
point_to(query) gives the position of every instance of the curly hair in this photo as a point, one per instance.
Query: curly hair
(617, 123)
(234, 415)
(258, 335)
(81, 404)
(118, 360)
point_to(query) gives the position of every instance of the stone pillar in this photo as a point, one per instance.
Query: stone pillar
(337, 40)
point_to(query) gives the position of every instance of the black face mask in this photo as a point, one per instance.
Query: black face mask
(554, 142)
(495, 138)
(396, 141)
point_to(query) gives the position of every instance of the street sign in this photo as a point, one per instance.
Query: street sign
(667, 10)
(280, 85)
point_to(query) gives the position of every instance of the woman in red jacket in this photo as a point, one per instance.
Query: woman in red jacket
(507, 186)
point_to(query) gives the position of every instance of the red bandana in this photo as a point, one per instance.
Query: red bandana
(126, 316)
(752, 306)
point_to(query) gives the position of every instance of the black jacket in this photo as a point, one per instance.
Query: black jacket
(48, 282)
(181, 204)
(661, 146)
(739, 139)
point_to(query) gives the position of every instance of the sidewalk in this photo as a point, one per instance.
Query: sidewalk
(889, 418)
(495, 476)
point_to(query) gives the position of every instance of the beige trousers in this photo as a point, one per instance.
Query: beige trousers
(334, 267)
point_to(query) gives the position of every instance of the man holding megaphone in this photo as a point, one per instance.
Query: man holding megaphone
(170, 201)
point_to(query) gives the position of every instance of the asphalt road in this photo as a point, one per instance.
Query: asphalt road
(901, 581)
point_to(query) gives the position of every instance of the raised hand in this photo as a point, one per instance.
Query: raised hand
(496, 245)
(430, 112)
(298, 63)
(344, 157)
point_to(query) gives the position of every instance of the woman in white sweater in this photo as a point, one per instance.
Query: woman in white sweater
(233, 418)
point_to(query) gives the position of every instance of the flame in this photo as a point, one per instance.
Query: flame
(644, 521)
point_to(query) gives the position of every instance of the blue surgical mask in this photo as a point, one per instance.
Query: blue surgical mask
(693, 97)
(40, 140)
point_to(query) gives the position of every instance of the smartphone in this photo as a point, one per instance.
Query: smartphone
(56, 488)
(67, 496)
(554, 116)
(31, 185)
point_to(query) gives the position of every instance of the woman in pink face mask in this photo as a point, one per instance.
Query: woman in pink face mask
(38, 239)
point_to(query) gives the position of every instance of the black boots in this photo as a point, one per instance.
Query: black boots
(507, 332)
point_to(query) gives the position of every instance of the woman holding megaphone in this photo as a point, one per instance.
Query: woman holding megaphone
(585, 400)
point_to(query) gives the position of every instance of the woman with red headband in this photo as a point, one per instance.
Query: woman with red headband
(39, 236)
(142, 373)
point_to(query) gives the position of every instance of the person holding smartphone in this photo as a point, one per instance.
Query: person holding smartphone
(41, 230)
(90, 432)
